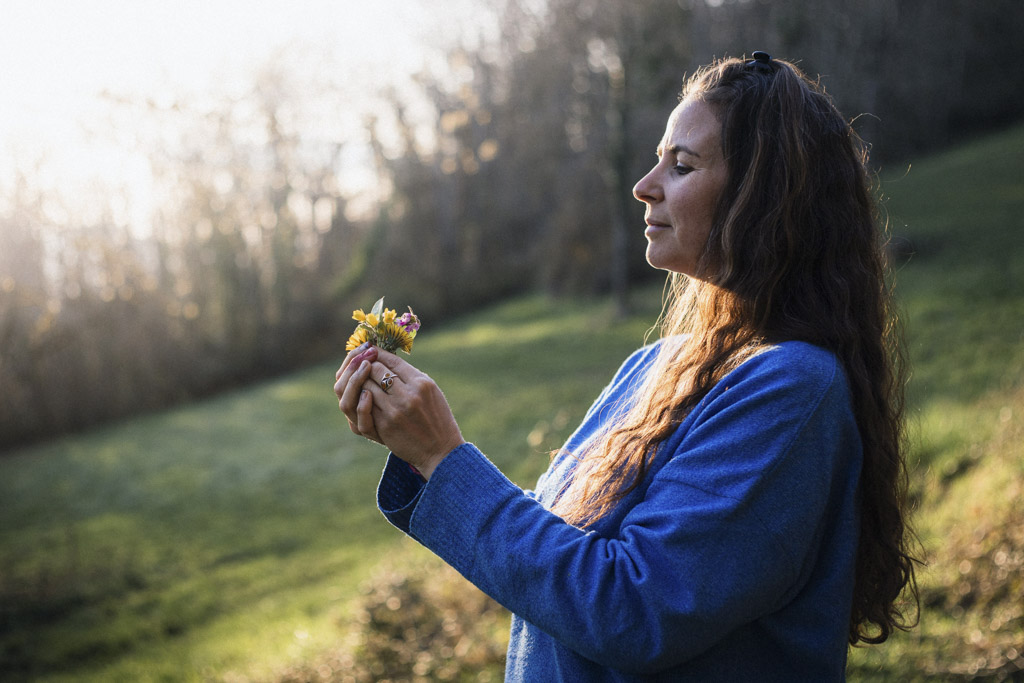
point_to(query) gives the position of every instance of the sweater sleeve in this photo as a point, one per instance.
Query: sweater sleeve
(722, 535)
(399, 489)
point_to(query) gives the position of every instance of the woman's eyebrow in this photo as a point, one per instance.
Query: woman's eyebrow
(676, 149)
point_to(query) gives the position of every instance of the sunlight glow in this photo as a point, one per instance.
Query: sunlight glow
(65, 64)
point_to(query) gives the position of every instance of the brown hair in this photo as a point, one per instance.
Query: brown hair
(794, 253)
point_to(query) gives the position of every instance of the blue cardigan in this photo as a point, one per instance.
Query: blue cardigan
(732, 561)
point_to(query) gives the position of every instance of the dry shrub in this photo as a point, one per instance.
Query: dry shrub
(416, 624)
(980, 572)
(984, 595)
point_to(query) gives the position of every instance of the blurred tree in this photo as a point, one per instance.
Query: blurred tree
(97, 321)
(507, 168)
(917, 74)
(527, 177)
(26, 311)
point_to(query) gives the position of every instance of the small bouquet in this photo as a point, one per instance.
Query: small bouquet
(383, 328)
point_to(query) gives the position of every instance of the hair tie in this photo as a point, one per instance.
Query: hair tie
(762, 61)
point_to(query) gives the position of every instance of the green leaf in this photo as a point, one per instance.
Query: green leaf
(378, 308)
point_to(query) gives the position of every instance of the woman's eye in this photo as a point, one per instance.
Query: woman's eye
(682, 169)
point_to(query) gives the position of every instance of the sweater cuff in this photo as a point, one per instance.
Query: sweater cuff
(461, 495)
(399, 492)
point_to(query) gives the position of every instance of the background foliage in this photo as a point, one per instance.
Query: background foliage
(508, 170)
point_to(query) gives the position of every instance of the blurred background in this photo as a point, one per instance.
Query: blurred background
(194, 196)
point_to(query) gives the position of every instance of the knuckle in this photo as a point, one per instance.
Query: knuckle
(412, 402)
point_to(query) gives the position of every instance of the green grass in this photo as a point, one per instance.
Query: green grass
(233, 535)
(963, 292)
(128, 547)
(232, 539)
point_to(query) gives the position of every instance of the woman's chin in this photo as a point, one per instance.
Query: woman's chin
(660, 262)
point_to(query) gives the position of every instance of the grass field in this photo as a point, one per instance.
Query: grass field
(234, 539)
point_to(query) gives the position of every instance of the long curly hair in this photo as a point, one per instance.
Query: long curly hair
(795, 252)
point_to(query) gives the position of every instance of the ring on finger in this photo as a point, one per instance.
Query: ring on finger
(387, 381)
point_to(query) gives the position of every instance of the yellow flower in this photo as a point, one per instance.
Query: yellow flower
(389, 315)
(358, 337)
(371, 319)
(358, 315)
(392, 336)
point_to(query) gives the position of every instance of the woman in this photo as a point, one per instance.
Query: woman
(732, 506)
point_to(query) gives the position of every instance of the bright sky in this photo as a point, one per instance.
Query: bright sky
(57, 56)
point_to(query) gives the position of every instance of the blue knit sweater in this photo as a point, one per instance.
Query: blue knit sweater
(732, 561)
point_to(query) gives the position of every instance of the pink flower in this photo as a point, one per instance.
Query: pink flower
(409, 321)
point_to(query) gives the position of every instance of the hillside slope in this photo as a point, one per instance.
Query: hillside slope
(237, 539)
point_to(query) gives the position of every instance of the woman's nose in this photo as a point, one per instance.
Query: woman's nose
(646, 190)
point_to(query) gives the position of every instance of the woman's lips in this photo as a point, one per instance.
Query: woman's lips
(654, 227)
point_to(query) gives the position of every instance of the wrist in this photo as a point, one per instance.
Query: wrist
(426, 469)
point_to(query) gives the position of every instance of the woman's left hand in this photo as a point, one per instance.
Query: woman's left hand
(389, 401)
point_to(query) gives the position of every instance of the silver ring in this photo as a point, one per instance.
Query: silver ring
(387, 381)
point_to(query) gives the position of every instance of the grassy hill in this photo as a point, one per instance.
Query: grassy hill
(237, 539)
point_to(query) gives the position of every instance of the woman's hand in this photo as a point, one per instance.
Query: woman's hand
(348, 386)
(410, 416)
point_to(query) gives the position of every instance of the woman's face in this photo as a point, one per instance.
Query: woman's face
(682, 190)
